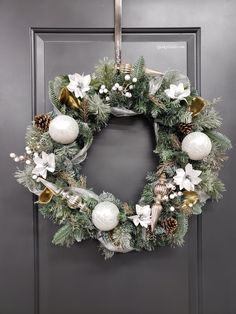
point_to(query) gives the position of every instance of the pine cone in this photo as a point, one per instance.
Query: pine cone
(169, 224)
(185, 128)
(42, 122)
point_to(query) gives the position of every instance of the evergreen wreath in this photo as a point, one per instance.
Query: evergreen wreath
(190, 149)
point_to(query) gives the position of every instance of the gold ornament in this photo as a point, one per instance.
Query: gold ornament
(196, 106)
(190, 199)
(45, 196)
(124, 68)
(66, 97)
(156, 212)
(74, 201)
(160, 190)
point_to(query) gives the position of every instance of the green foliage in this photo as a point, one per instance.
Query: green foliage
(24, 177)
(212, 185)
(139, 70)
(208, 118)
(222, 141)
(100, 110)
(110, 198)
(121, 236)
(104, 74)
(147, 195)
(64, 236)
(178, 236)
(54, 88)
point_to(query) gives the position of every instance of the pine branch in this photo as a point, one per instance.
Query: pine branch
(138, 69)
(208, 118)
(99, 109)
(104, 73)
(64, 236)
(219, 139)
(212, 185)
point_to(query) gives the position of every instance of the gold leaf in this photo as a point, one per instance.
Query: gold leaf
(67, 98)
(45, 197)
(190, 199)
(196, 106)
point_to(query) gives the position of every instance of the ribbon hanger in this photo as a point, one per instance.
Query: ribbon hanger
(118, 31)
(123, 67)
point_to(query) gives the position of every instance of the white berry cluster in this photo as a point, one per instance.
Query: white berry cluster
(124, 89)
(172, 195)
(26, 157)
(104, 91)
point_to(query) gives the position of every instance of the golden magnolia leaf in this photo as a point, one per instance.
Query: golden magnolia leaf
(66, 97)
(197, 104)
(45, 197)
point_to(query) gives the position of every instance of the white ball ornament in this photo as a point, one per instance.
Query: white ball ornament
(105, 216)
(63, 129)
(197, 145)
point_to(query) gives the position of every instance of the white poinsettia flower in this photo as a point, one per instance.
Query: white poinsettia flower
(44, 164)
(188, 178)
(177, 91)
(79, 84)
(143, 216)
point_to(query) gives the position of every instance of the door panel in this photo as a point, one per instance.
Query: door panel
(81, 267)
(39, 278)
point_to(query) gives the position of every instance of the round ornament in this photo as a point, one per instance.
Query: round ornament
(197, 145)
(105, 216)
(63, 129)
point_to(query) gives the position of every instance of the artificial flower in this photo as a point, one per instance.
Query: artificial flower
(188, 178)
(177, 91)
(143, 216)
(79, 84)
(44, 164)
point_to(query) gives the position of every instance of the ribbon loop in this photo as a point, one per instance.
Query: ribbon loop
(118, 31)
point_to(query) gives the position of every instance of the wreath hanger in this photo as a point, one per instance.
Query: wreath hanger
(124, 67)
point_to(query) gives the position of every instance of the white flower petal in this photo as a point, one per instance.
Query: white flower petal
(186, 93)
(86, 80)
(196, 181)
(170, 93)
(180, 172)
(146, 210)
(145, 222)
(138, 209)
(135, 220)
(188, 169)
(44, 173)
(180, 88)
(188, 185)
(51, 160)
(38, 161)
(72, 86)
(78, 77)
(45, 157)
(197, 173)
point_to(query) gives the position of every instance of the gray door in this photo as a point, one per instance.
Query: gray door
(196, 37)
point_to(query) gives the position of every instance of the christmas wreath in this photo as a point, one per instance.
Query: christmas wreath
(190, 149)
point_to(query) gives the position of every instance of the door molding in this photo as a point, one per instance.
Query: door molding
(192, 37)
